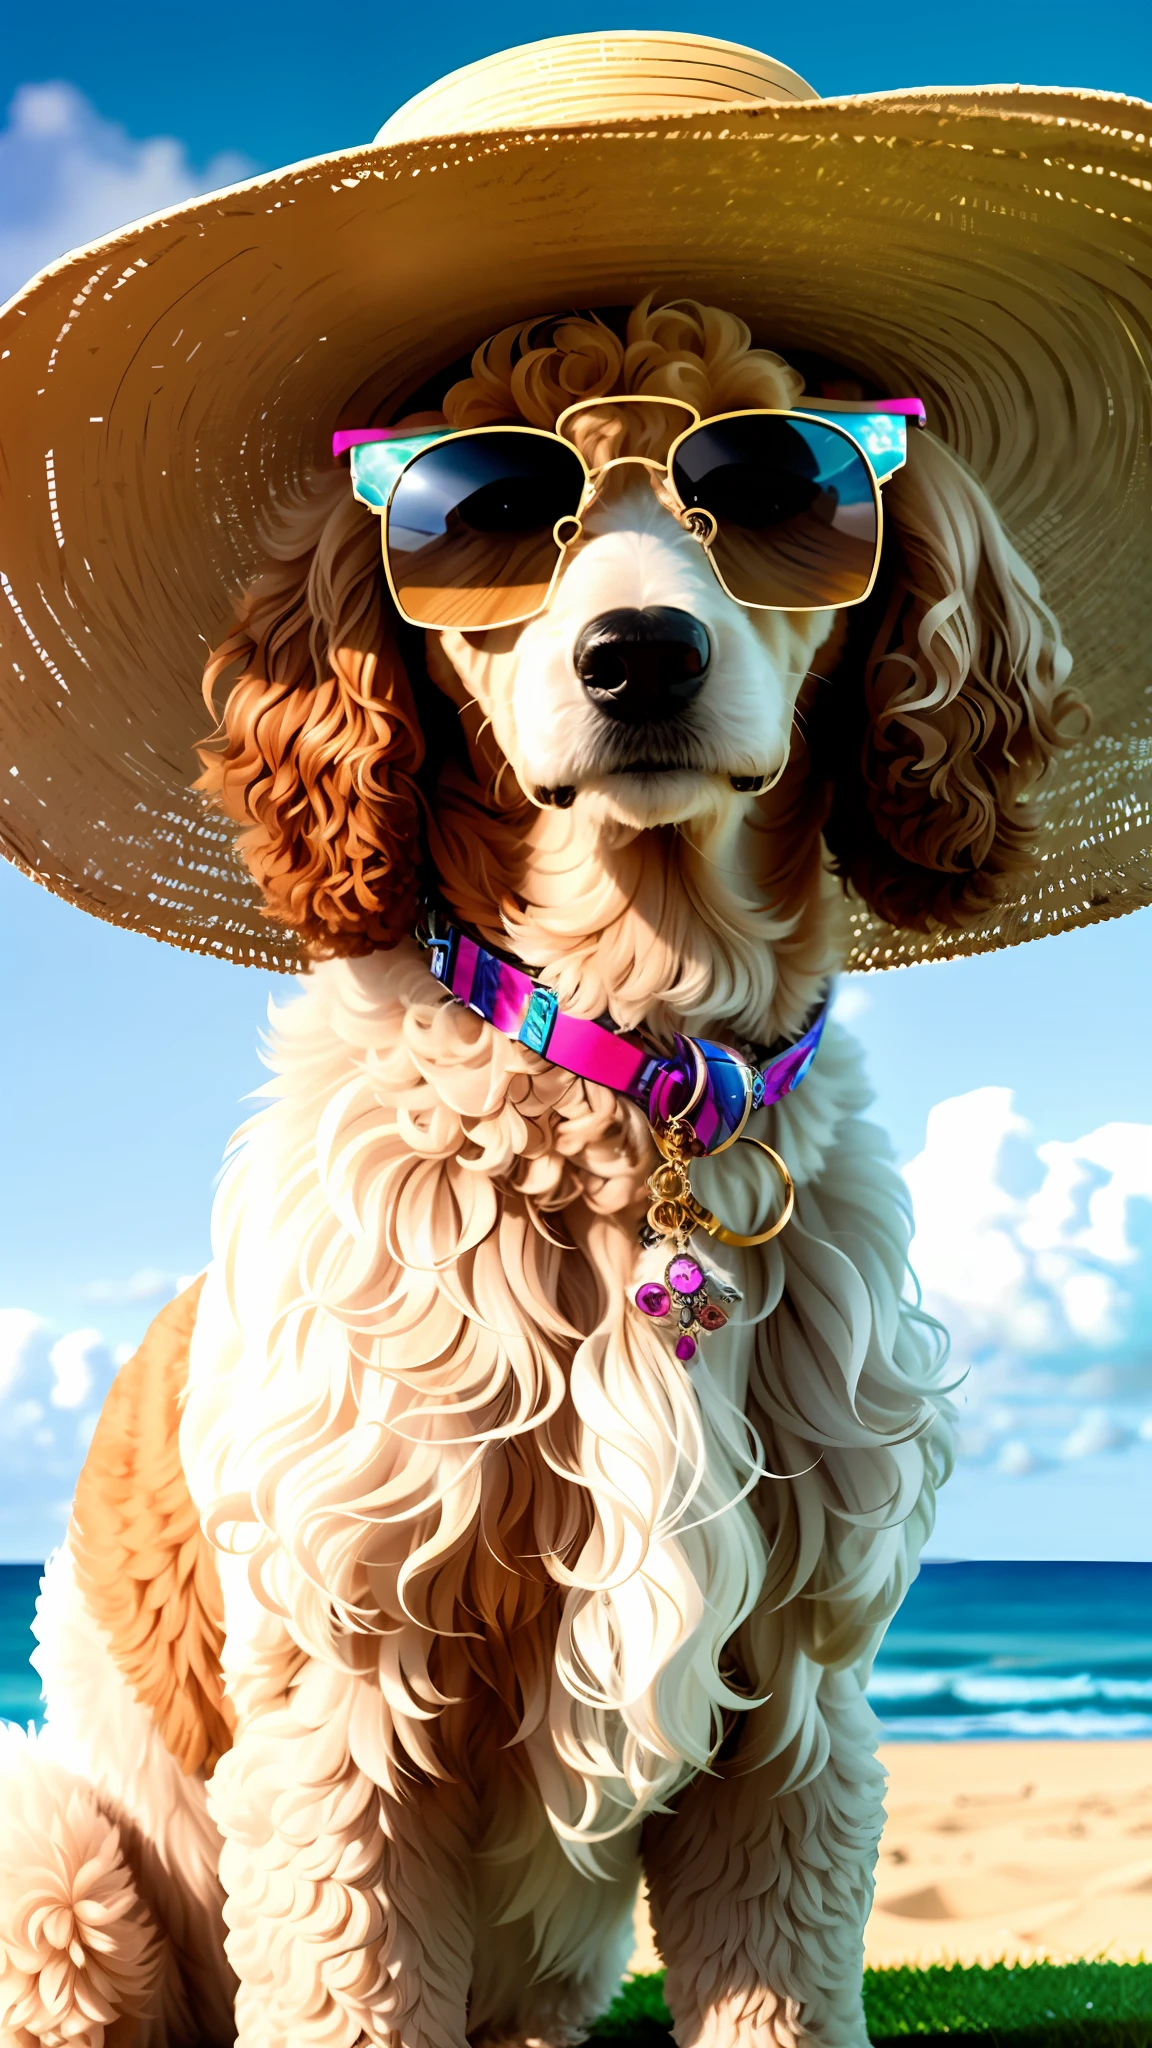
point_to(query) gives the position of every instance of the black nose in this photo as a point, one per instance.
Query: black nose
(639, 666)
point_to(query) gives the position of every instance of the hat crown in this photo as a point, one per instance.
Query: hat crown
(613, 75)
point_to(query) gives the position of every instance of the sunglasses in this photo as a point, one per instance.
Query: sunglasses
(476, 521)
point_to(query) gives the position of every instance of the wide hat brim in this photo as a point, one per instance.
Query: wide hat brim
(163, 390)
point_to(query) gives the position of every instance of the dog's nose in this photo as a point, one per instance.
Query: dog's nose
(640, 666)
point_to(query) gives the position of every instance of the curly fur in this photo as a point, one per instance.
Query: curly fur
(515, 1603)
(963, 694)
(322, 736)
(964, 703)
(144, 1570)
(78, 1951)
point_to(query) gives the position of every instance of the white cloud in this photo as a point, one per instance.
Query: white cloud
(51, 1389)
(149, 1284)
(18, 1330)
(1016, 1459)
(852, 998)
(53, 1384)
(1088, 1188)
(76, 1360)
(1097, 1382)
(1033, 1271)
(67, 176)
(1034, 1255)
(1099, 1431)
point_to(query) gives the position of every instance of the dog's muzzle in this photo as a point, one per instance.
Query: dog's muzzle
(643, 667)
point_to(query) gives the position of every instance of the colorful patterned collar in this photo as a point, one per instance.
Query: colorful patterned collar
(708, 1088)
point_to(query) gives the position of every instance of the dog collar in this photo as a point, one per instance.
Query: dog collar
(700, 1095)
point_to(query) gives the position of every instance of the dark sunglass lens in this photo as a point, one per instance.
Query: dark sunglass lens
(470, 527)
(795, 506)
(513, 504)
(484, 483)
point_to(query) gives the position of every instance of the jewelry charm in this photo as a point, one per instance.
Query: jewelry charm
(685, 1295)
(675, 1211)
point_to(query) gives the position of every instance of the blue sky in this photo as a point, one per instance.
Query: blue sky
(1017, 1089)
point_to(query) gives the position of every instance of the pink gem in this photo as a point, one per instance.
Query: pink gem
(685, 1349)
(710, 1317)
(652, 1299)
(684, 1275)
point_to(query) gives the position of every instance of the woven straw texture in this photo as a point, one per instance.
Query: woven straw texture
(163, 390)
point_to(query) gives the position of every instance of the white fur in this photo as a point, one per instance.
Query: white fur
(676, 1558)
(335, 1272)
(329, 1287)
(160, 1846)
(417, 1341)
(634, 554)
(78, 1951)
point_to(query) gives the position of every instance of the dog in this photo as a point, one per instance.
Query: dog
(418, 1598)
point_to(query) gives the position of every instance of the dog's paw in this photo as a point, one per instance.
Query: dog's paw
(557, 2036)
(551, 2015)
(763, 2020)
(78, 1952)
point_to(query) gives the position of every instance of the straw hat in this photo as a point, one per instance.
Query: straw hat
(990, 249)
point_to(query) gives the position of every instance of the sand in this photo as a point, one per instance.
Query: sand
(1008, 1851)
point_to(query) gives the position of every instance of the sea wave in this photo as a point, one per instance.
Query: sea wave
(1019, 1725)
(891, 1686)
(978, 1652)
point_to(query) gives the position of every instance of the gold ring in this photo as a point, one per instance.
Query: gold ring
(705, 1220)
(683, 1117)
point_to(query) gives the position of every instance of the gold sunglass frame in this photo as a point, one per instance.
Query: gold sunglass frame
(690, 518)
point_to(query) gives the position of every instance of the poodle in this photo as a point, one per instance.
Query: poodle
(420, 1597)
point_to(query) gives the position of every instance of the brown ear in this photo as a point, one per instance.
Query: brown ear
(146, 1573)
(319, 742)
(942, 719)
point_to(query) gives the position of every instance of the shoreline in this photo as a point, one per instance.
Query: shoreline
(1006, 1851)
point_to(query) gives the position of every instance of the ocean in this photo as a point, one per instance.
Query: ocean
(1009, 1650)
(978, 1651)
(19, 1685)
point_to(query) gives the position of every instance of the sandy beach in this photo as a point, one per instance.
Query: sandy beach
(1008, 1851)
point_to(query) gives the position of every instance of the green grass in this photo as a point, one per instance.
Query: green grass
(1032, 2005)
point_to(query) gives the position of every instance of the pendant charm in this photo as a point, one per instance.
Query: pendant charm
(674, 1211)
(684, 1299)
